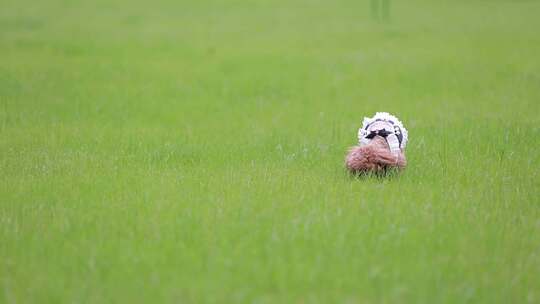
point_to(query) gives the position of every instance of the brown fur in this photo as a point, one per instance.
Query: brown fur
(375, 157)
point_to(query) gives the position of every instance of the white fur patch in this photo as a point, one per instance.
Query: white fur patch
(386, 121)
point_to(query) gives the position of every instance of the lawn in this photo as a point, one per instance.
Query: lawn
(192, 152)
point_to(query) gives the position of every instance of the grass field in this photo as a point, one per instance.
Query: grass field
(192, 152)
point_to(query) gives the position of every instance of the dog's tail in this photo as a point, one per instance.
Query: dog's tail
(374, 157)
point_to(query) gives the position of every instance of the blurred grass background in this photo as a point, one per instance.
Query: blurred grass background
(192, 151)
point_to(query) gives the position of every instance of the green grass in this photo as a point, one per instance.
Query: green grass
(192, 152)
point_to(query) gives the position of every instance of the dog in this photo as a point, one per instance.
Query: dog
(382, 141)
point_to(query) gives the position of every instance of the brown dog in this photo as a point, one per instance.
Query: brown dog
(382, 141)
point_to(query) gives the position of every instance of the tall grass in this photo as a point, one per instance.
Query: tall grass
(193, 152)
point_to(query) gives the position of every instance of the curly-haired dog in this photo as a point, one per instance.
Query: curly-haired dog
(382, 141)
